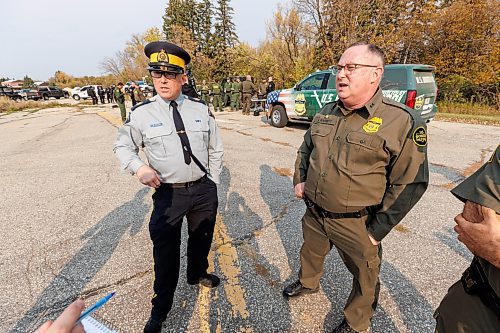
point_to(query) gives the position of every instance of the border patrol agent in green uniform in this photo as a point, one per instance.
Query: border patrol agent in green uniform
(228, 90)
(184, 151)
(120, 100)
(236, 95)
(248, 88)
(216, 99)
(473, 304)
(205, 92)
(361, 168)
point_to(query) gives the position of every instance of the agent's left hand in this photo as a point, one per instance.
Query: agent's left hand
(483, 238)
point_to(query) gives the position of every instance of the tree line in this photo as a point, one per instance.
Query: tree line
(459, 37)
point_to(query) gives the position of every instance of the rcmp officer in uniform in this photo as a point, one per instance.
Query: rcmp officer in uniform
(361, 168)
(473, 304)
(182, 143)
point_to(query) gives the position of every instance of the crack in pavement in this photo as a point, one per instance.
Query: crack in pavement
(245, 238)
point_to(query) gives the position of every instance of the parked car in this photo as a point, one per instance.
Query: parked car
(142, 85)
(81, 92)
(28, 94)
(48, 92)
(413, 85)
(10, 93)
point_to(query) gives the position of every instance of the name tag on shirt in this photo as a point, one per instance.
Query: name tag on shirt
(156, 125)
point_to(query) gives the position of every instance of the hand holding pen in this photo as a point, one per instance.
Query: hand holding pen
(65, 323)
(69, 320)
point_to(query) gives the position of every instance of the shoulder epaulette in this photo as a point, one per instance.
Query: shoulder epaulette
(194, 99)
(147, 101)
(329, 104)
(402, 106)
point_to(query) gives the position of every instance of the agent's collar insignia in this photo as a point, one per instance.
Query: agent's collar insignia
(372, 125)
(419, 136)
(163, 56)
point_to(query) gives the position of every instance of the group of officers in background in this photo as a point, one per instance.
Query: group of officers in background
(235, 93)
(109, 94)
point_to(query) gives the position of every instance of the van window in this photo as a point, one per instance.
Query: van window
(331, 82)
(425, 79)
(313, 82)
(394, 79)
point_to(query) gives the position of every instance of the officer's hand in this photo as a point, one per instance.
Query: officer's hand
(481, 238)
(299, 190)
(148, 176)
(373, 240)
(65, 323)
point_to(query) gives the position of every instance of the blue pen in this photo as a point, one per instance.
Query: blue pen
(96, 306)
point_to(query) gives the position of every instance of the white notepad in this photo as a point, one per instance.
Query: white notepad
(92, 325)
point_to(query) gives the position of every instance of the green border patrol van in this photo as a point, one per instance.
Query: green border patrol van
(410, 84)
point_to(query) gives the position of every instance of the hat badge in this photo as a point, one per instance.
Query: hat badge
(163, 56)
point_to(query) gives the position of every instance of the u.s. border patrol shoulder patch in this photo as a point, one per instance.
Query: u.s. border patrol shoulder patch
(419, 136)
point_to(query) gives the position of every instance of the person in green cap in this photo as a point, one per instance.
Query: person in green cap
(236, 95)
(120, 100)
(216, 97)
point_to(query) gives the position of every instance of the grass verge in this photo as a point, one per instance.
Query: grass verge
(9, 106)
(468, 113)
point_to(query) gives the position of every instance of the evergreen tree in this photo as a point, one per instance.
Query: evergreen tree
(28, 82)
(224, 38)
(204, 36)
(182, 13)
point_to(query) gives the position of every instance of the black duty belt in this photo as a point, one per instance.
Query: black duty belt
(184, 185)
(475, 282)
(323, 213)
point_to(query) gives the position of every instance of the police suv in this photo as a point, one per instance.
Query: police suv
(413, 85)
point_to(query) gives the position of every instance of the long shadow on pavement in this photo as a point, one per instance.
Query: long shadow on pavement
(103, 238)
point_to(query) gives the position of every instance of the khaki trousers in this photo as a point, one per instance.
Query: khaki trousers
(360, 256)
(460, 312)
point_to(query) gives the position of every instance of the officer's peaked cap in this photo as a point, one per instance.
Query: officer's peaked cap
(166, 56)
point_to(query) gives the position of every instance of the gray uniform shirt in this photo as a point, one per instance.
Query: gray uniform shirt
(151, 127)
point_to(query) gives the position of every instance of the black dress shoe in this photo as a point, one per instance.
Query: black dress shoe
(153, 325)
(345, 328)
(296, 289)
(207, 280)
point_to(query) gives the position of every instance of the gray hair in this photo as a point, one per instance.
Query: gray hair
(372, 49)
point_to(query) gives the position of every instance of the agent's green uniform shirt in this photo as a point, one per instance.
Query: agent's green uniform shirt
(376, 155)
(247, 87)
(236, 87)
(216, 89)
(460, 312)
(483, 187)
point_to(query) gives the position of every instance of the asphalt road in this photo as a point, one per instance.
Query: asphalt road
(73, 224)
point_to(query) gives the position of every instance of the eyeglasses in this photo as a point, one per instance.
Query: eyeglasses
(350, 68)
(159, 74)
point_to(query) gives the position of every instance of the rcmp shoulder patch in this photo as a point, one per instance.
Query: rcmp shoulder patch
(147, 101)
(419, 136)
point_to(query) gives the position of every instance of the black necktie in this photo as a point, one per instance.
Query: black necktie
(179, 127)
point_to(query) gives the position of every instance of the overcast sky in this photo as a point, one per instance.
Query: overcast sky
(40, 37)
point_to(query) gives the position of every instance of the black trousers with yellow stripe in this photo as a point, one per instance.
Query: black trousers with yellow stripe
(198, 204)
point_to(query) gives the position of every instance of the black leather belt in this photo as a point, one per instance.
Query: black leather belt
(184, 185)
(319, 211)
